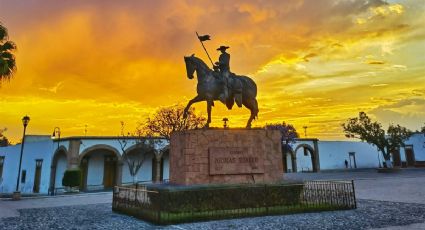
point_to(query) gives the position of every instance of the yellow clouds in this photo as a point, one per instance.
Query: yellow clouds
(387, 10)
(70, 115)
(315, 62)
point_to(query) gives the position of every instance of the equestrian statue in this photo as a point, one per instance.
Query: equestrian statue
(221, 84)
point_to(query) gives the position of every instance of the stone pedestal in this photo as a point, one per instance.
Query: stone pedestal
(225, 156)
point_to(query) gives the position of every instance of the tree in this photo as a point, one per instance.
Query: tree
(143, 146)
(365, 129)
(3, 139)
(423, 129)
(289, 133)
(169, 119)
(7, 59)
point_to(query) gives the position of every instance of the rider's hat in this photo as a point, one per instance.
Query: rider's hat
(223, 48)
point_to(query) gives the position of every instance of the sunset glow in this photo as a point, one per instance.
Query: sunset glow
(316, 62)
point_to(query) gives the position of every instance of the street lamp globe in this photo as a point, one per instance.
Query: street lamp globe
(25, 120)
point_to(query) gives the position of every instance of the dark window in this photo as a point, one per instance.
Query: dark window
(24, 176)
(1, 166)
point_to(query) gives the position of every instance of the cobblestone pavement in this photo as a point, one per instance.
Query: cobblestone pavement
(370, 214)
(386, 201)
(10, 208)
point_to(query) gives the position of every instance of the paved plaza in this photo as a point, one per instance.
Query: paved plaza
(385, 201)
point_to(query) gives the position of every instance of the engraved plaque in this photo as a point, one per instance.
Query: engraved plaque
(239, 160)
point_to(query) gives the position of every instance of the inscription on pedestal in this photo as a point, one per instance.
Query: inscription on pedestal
(240, 160)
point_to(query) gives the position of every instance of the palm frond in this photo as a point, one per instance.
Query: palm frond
(8, 46)
(3, 33)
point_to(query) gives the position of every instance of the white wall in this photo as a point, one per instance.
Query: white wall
(166, 170)
(85, 144)
(60, 170)
(303, 162)
(334, 153)
(144, 174)
(32, 151)
(95, 169)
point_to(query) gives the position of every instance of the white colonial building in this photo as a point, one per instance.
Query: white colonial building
(101, 160)
(103, 165)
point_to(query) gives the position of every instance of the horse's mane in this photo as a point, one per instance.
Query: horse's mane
(201, 63)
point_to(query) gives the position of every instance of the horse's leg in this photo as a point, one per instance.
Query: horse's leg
(252, 105)
(209, 105)
(194, 100)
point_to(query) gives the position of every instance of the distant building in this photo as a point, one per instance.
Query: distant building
(103, 166)
(314, 155)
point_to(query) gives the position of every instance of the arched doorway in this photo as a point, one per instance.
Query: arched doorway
(58, 168)
(99, 166)
(306, 159)
(133, 157)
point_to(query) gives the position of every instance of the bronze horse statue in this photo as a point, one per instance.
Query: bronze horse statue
(210, 86)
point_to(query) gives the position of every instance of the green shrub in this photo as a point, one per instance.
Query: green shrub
(225, 197)
(72, 178)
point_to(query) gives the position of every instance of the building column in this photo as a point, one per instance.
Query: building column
(158, 158)
(51, 190)
(73, 154)
(316, 153)
(118, 178)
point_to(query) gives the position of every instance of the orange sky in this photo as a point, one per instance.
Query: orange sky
(316, 62)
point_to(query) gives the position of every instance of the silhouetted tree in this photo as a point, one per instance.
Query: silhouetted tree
(3, 139)
(289, 133)
(423, 129)
(365, 129)
(169, 119)
(7, 59)
(143, 146)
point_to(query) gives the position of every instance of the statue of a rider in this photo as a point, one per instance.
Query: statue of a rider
(223, 65)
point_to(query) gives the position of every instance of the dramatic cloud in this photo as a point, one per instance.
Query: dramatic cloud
(316, 63)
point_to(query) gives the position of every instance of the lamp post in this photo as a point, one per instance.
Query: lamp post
(305, 131)
(17, 193)
(56, 131)
(225, 120)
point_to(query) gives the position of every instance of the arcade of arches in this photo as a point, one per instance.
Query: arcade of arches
(304, 158)
(103, 167)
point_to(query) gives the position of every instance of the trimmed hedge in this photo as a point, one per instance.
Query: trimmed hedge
(72, 178)
(171, 204)
(176, 199)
